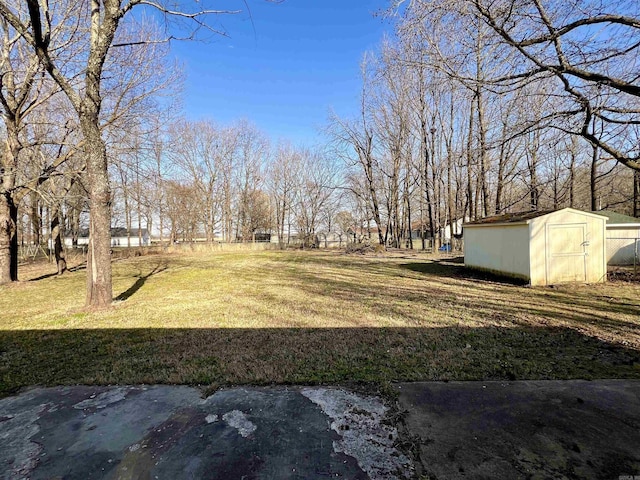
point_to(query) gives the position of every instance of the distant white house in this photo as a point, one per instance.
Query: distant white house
(445, 234)
(119, 238)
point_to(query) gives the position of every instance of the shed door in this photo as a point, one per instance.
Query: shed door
(566, 253)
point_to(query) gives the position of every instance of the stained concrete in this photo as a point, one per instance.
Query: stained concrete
(529, 429)
(457, 430)
(171, 432)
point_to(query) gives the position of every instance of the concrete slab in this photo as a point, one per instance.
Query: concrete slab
(170, 432)
(529, 429)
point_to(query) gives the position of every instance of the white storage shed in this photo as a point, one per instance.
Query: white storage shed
(543, 248)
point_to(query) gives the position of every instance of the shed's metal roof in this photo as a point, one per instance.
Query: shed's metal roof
(524, 217)
(519, 217)
(617, 218)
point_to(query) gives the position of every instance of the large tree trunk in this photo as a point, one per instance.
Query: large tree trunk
(8, 222)
(281, 226)
(501, 168)
(374, 202)
(8, 240)
(99, 288)
(8, 207)
(13, 269)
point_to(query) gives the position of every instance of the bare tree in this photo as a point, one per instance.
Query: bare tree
(590, 48)
(22, 91)
(101, 19)
(252, 202)
(315, 190)
(282, 180)
(195, 150)
(357, 137)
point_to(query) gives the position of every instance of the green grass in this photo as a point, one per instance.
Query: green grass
(310, 317)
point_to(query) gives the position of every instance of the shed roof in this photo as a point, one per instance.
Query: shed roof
(520, 217)
(617, 218)
(523, 217)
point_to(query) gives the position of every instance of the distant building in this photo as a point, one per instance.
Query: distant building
(119, 238)
(623, 238)
(444, 233)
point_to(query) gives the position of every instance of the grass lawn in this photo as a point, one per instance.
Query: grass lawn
(310, 317)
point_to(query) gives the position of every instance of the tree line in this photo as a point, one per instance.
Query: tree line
(197, 180)
(469, 109)
(474, 108)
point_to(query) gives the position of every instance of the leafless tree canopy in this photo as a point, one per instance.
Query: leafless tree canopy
(470, 108)
(582, 55)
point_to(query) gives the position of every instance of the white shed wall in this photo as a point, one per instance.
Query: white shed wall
(623, 245)
(502, 249)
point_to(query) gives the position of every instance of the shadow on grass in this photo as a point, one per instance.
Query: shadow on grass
(305, 356)
(141, 279)
(477, 297)
(454, 267)
(77, 268)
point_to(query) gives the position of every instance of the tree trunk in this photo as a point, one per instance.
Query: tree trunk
(35, 217)
(99, 287)
(366, 158)
(500, 177)
(434, 219)
(470, 202)
(75, 226)
(427, 192)
(593, 179)
(572, 178)
(8, 240)
(8, 207)
(482, 137)
(8, 215)
(533, 177)
(423, 182)
(407, 202)
(450, 199)
(56, 235)
(636, 194)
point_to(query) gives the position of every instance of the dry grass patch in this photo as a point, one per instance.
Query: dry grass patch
(310, 317)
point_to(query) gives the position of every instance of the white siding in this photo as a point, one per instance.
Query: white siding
(623, 244)
(133, 241)
(563, 246)
(498, 248)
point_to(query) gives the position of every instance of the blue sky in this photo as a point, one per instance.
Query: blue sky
(301, 60)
